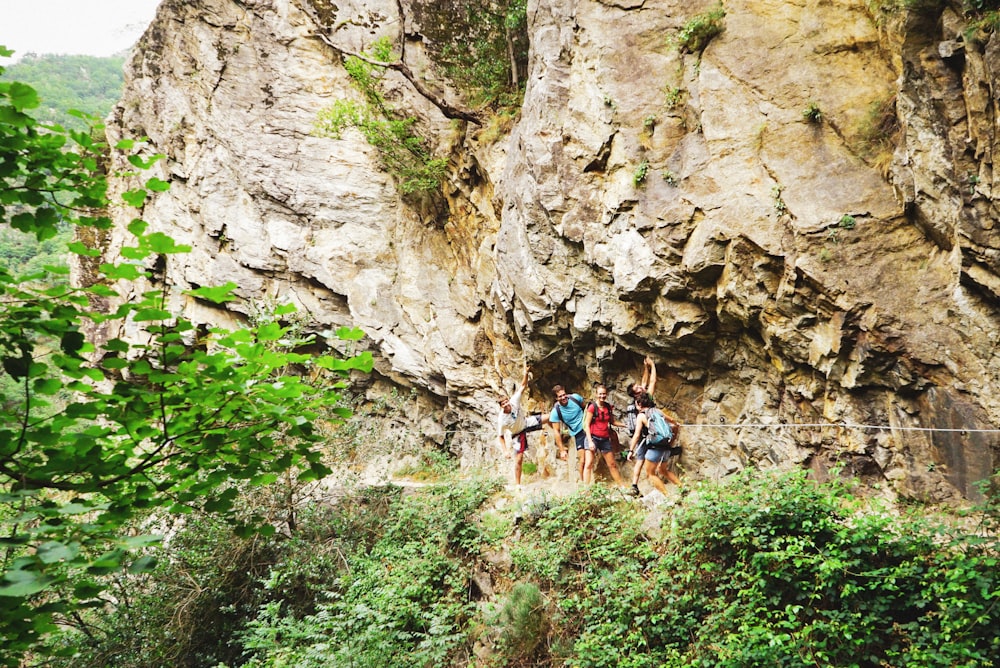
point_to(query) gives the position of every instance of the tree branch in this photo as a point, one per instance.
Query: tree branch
(447, 109)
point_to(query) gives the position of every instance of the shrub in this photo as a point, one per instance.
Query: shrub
(523, 624)
(812, 113)
(697, 32)
(761, 570)
(482, 46)
(639, 176)
(771, 570)
(878, 133)
(405, 154)
(398, 598)
(672, 97)
(184, 613)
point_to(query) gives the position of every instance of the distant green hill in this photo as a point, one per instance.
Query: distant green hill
(86, 83)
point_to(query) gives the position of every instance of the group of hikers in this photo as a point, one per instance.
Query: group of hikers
(652, 434)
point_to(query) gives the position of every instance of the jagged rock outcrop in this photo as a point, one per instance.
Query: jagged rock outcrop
(796, 223)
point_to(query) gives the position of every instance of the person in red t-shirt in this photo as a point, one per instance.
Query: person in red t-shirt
(598, 419)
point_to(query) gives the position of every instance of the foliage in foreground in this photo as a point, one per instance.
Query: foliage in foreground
(96, 438)
(377, 578)
(760, 571)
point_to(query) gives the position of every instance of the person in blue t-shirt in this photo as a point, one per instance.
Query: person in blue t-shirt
(568, 410)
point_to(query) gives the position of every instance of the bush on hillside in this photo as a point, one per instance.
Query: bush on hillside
(760, 571)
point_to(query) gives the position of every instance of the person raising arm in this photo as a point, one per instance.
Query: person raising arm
(515, 424)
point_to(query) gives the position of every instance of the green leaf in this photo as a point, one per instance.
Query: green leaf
(133, 542)
(122, 272)
(116, 346)
(142, 565)
(80, 249)
(21, 584)
(114, 363)
(71, 342)
(307, 476)
(134, 198)
(362, 362)
(350, 334)
(47, 386)
(271, 331)
(159, 242)
(138, 161)
(75, 509)
(157, 185)
(108, 562)
(17, 367)
(54, 551)
(151, 314)
(217, 295)
(138, 227)
(22, 96)
(134, 252)
(264, 479)
(87, 589)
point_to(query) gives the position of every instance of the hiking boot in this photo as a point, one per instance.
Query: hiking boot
(635, 490)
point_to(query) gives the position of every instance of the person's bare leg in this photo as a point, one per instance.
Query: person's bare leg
(609, 459)
(653, 478)
(668, 472)
(518, 463)
(588, 467)
(636, 470)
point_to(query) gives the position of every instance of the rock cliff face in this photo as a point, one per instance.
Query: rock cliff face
(795, 222)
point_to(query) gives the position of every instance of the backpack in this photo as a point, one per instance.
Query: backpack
(608, 413)
(661, 435)
(631, 415)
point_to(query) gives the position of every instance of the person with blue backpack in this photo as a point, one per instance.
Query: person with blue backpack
(569, 410)
(661, 439)
(645, 386)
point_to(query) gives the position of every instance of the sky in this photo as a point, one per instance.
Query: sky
(74, 27)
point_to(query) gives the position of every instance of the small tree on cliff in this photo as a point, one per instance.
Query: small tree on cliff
(94, 438)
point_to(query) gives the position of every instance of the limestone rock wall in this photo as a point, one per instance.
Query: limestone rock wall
(781, 267)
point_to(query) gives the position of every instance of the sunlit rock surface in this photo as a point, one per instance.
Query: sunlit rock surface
(797, 223)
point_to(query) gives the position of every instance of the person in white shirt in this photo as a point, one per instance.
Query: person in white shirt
(515, 424)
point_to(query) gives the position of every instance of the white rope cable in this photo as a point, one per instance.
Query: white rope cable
(822, 425)
(811, 425)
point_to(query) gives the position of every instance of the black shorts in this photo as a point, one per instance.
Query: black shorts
(601, 444)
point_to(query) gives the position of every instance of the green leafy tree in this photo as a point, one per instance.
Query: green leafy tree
(482, 46)
(70, 86)
(175, 423)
